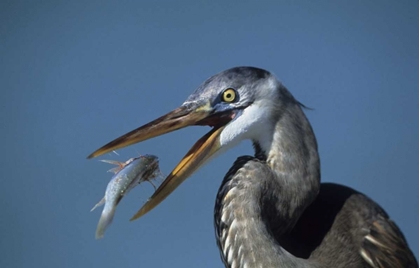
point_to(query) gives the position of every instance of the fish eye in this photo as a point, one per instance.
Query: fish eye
(229, 95)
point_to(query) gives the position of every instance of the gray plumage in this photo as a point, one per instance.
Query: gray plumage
(271, 210)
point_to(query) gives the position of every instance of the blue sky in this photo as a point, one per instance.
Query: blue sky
(76, 75)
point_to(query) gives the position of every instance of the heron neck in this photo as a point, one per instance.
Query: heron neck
(294, 162)
(262, 197)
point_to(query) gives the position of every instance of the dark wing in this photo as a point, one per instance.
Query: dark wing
(385, 246)
(344, 228)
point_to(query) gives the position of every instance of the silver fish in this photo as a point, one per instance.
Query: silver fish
(127, 176)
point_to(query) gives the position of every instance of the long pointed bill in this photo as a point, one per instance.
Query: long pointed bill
(196, 156)
(179, 118)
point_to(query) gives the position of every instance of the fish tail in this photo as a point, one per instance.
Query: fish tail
(105, 220)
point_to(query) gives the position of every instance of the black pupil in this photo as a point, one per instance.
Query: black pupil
(228, 95)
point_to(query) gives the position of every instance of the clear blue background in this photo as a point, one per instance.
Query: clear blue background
(75, 75)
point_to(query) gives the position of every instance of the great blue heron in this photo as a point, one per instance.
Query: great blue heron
(271, 209)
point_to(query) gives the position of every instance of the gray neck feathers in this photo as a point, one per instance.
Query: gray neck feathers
(262, 197)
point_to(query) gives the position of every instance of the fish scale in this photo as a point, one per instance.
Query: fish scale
(127, 175)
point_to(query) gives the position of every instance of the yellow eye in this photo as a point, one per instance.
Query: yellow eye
(229, 95)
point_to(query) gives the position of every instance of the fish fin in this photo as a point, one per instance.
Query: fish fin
(115, 170)
(100, 203)
(105, 220)
(113, 162)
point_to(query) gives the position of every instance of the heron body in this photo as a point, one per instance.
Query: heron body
(271, 209)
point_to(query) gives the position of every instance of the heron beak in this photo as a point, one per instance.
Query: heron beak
(186, 115)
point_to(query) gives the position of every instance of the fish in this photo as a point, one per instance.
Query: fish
(127, 175)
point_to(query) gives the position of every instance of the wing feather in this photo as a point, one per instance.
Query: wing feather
(385, 246)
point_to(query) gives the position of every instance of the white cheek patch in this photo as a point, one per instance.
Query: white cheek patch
(254, 123)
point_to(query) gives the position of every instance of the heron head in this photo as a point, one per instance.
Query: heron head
(239, 103)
